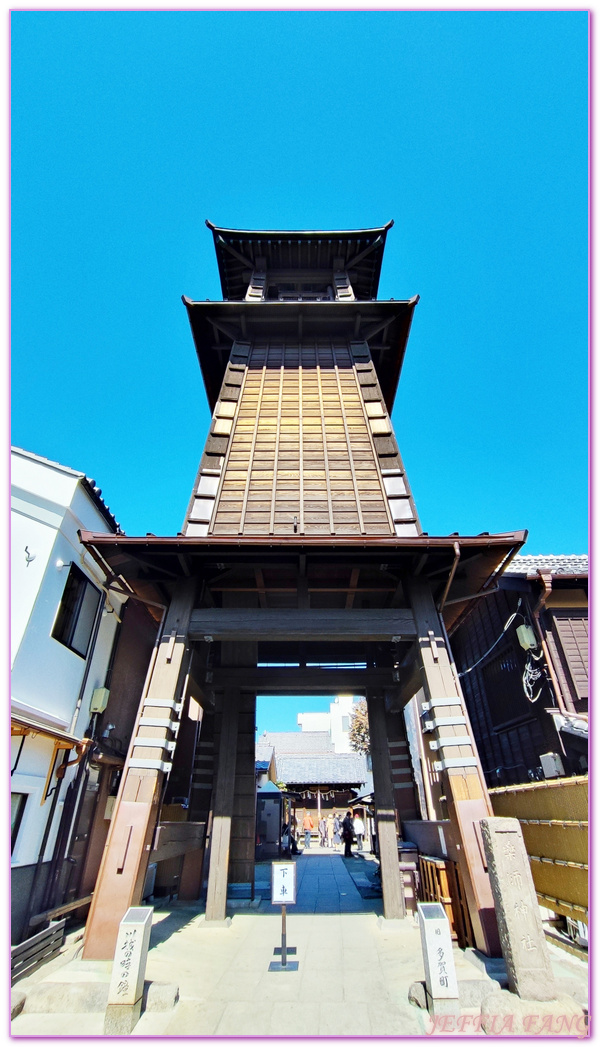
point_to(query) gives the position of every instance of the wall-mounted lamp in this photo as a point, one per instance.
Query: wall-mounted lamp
(61, 563)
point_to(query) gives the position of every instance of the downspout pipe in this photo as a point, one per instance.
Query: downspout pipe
(62, 769)
(88, 665)
(450, 577)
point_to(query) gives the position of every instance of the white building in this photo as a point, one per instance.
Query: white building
(336, 722)
(63, 630)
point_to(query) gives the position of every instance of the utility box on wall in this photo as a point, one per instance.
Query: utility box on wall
(552, 765)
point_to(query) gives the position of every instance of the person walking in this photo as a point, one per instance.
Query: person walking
(337, 829)
(307, 825)
(348, 834)
(323, 831)
(330, 831)
(359, 831)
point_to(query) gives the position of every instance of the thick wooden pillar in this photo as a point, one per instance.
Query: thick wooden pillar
(125, 860)
(405, 790)
(457, 761)
(385, 811)
(224, 788)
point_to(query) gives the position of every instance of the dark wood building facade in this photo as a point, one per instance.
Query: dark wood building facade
(301, 548)
(526, 704)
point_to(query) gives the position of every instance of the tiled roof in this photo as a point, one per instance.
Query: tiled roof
(556, 564)
(263, 752)
(324, 769)
(297, 742)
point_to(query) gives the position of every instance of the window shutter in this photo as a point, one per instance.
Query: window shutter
(572, 632)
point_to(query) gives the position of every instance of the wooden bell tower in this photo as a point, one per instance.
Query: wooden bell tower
(301, 567)
(301, 441)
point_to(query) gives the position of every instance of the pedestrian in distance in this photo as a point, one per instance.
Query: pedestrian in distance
(359, 831)
(330, 831)
(323, 831)
(348, 834)
(337, 829)
(307, 825)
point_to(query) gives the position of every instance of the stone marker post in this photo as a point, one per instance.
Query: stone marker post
(129, 967)
(440, 972)
(519, 922)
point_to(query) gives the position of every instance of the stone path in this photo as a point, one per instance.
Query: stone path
(324, 885)
(353, 977)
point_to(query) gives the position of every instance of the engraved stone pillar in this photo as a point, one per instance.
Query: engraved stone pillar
(521, 933)
(438, 960)
(129, 967)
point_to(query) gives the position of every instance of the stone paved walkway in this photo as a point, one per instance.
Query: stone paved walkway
(354, 969)
(324, 885)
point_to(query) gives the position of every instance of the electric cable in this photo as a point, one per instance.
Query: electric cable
(496, 642)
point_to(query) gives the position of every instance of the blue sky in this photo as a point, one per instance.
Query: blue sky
(469, 129)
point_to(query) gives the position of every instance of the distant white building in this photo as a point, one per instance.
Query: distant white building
(336, 722)
(63, 628)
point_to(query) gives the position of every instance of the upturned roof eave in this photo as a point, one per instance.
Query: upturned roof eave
(302, 233)
(400, 312)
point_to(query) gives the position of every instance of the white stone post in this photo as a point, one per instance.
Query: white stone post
(438, 961)
(129, 968)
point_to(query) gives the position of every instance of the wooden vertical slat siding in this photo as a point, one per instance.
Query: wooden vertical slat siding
(252, 449)
(277, 443)
(228, 451)
(349, 446)
(375, 456)
(301, 444)
(301, 447)
(325, 450)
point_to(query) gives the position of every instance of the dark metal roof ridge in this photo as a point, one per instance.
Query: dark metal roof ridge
(377, 231)
(357, 303)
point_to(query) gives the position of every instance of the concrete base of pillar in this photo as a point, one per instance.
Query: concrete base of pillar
(505, 1014)
(438, 1008)
(120, 1019)
(203, 922)
(385, 924)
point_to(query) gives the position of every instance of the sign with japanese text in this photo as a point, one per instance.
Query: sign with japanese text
(283, 883)
(438, 960)
(528, 963)
(131, 953)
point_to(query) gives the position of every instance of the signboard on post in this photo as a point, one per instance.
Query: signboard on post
(283, 893)
(438, 960)
(283, 883)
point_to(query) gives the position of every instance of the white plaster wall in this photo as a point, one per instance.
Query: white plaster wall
(30, 778)
(314, 721)
(342, 706)
(48, 508)
(39, 498)
(331, 722)
(26, 579)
